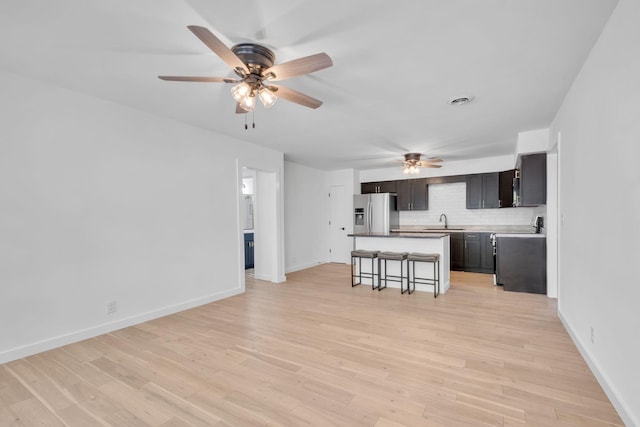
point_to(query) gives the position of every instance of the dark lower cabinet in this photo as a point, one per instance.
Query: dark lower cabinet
(456, 251)
(471, 252)
(248, 250)
(521, 263)
(486, 254)
(472, 255)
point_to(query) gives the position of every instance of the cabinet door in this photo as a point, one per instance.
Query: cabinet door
(471, 252)
(456, 251)
(248, 250)
(490, 190)
(474, 191)
(533, 180)
(486, 253)
(388, 186)
(368, 187)
(403, 189)
(419, 195)
(506, 188)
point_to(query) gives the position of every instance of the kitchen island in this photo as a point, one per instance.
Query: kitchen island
(433, 243)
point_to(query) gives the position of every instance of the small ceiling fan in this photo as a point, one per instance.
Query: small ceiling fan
(412, 163)
(254, 66)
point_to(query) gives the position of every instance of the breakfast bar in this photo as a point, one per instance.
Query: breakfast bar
(432, 243)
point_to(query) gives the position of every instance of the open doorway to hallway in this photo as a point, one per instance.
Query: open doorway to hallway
(248, 219)
(259, 220)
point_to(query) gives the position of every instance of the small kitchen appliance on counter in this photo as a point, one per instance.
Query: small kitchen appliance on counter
(537, 223)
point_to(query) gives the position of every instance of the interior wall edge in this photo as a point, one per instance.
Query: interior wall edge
(294, 268)
(610, 390)
(104, 328)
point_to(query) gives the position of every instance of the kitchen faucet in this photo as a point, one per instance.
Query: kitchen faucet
(445, 220)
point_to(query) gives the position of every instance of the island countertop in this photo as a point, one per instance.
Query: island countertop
(429, 243)
(405, 235)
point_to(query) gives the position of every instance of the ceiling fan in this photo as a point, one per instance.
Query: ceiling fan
(412, 163)
(254, 66)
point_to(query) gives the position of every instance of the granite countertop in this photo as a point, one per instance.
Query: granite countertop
(502, 229)
(424, 235)
(528, 235)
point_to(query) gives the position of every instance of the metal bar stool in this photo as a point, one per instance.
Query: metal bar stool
(392, 256)
(434, 280)
(360, 254)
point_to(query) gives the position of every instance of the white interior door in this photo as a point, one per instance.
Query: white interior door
(338, 240)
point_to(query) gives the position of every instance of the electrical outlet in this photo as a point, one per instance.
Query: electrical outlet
(111, 307)
(593, 335)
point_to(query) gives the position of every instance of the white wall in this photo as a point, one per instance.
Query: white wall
(349, 179)
(599, 199)
(99, 203)
(449, 168)
(451, 199)
(306, 215)
(265, 235)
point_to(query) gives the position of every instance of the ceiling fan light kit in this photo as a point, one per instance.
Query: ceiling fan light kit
(254, 66)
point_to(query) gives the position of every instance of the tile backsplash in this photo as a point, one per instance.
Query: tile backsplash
(450, 199)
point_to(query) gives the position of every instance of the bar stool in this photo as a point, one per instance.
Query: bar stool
(434, 259)
(392, 256)
(360, 254)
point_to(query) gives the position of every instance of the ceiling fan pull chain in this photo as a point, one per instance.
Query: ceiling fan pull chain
(253, 118)
(245, 122)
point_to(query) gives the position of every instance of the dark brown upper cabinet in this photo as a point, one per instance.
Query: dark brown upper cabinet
(483, 191)
(490, 190)
(378, 187)
(506, 188)
(533, 179)
(413, 195)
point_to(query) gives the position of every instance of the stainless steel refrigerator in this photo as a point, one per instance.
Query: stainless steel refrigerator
(375, 213)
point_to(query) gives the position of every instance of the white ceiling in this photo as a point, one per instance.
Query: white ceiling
(396, 65)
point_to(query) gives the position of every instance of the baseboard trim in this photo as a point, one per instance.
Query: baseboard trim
(299, 267)
(83, 334)
(611, 392)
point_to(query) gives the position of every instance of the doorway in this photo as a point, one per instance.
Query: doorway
(338, 240)
(267, 246)
(248, 218)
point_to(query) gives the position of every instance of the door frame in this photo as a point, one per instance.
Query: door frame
(342, 220)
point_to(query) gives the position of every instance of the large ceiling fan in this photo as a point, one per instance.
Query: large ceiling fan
(254, 66)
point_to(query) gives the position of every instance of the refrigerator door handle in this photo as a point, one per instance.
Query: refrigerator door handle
(369, 215)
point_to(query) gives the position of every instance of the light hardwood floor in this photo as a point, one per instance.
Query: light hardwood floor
(314, 351)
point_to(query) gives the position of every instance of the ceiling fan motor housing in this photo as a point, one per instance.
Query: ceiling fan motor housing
(255, 56)
(412, 157)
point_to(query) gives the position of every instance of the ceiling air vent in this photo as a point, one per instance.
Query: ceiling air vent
(461, 100)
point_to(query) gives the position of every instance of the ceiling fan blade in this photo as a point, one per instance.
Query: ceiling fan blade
(218, 47)
(431, 166)
(434, 160)
(239, 109)
(197, 79)
(295, 96)
(299, 66)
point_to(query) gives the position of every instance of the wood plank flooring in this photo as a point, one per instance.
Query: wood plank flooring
(314, 351)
